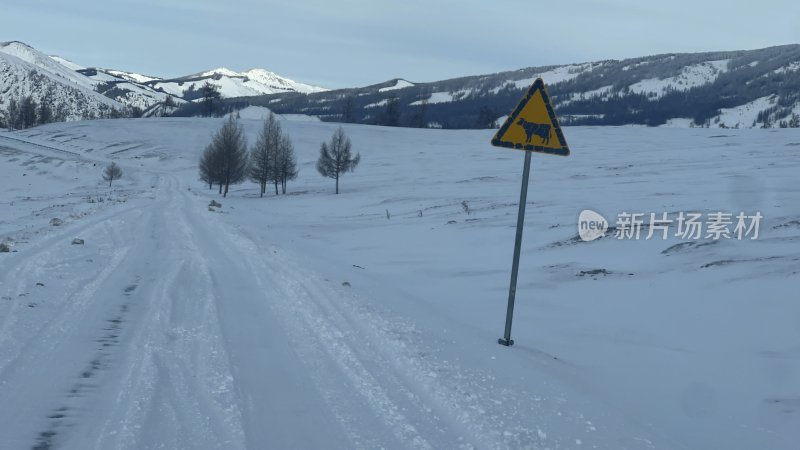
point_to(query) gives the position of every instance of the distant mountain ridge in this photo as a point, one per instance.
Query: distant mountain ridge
(147, 91)
(754, 88)
(233, 84)
(79, 92)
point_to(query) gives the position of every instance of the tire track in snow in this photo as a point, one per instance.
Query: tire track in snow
(328, 347)
(39, 351)
(31, 260)
(478, 410)
(63, 322)
(459, 407)
(176, 390)
(94, 301)
(325, 330)
(132, 349)
(59, 418)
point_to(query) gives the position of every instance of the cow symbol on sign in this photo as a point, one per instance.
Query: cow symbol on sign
(532, 129)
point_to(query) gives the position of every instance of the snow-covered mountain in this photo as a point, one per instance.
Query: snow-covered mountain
(144, 91)
(66, 63)
(131, 76)
(752, 88)
(233, 84)
(79, 92)
(124, 87)
(25, 71)
(755, 88)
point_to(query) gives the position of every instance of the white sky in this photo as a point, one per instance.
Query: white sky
(341, 43)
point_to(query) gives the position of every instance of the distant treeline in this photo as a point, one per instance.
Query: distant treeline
(26, 112)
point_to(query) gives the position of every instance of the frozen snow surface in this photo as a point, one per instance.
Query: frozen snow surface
(262, 113)
(67, 63)
(690, 76)
(744, 115)
(399, 84)
(370, 319)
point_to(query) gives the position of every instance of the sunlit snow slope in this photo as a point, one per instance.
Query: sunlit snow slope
(26, 72)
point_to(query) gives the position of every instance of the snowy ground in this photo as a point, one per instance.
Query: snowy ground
(312, 320)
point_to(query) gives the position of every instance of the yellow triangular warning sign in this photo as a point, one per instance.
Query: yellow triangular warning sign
(533, 125)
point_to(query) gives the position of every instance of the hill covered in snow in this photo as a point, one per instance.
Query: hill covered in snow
(234, 84)
(76, 91)
(753, 88)
(733, 89)
(145, 91)
(26, 72)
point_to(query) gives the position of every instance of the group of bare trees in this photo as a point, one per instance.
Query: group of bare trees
(271, 160)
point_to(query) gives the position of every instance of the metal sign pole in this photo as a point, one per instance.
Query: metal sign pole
(512, 290)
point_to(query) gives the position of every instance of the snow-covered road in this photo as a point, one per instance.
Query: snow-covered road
(173, 329)
(179, 334)
(178, 327)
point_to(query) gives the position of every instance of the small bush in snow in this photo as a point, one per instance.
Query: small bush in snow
(111, 173)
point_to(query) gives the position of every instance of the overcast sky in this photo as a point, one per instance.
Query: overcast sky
(341, 43)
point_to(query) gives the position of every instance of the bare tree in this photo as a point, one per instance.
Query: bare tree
(46, 112)
(111, 173)
(287, 170)
(275, 158)
(272, 157)
(347, 109)
(27, 112)
(391, 115)
(230, 144)
(210, 95)
(12, 114)
(263, 154)
(210, 167)
(419, 117)
(335, 158)
(167, 106)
